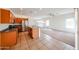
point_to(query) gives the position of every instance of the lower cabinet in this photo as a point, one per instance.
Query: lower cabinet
(9, 38)
(34, 33)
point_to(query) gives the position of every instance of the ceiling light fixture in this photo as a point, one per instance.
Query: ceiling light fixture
(40, 8)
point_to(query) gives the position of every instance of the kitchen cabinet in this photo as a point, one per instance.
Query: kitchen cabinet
(9, 38)
(6, 16)
(0, 40)
(33, 32)
(19, 22)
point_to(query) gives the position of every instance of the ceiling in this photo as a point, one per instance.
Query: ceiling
(41, 12)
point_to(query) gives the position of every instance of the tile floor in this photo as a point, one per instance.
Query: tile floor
(48, 40)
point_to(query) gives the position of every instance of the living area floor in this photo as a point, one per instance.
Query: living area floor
(48, 40)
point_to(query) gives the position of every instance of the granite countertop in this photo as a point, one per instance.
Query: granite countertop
(3, 30)
(8, 30)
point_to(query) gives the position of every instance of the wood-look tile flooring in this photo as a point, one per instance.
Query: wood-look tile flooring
(48, 40)
(65, 37)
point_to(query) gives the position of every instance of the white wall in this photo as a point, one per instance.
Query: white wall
(59, 22)
(56, 22)
(33, 22)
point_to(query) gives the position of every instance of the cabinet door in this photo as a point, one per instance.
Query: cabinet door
(8, 39)
(0, 40)
(5, 16)
(18, 20)
(35, 33)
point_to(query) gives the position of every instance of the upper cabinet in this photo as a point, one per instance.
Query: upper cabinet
(18, 20)
(6, 16)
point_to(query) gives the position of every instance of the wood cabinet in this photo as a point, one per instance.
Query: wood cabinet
(9, 38)
(0, 40)
(21, 22)
(6, 16)
(34, 32)
(18, 20)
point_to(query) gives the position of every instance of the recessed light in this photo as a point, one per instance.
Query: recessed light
(40, 8)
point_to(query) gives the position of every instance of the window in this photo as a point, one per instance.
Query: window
(70, 23)
(47, 22)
